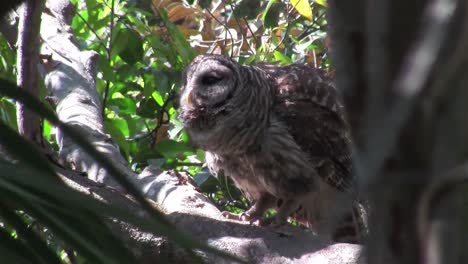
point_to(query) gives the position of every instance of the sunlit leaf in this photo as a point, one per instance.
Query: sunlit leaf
(157, 163)
(302, 7)
(148, 108)
(205, 180)
(8, 113)
(270, 16)
(247, 8)
(281, 57)
(158, 98)
(118, 129)
(321, 2)
(172, 149)
(128, 45)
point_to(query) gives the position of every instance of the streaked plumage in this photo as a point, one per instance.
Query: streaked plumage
(278, 131)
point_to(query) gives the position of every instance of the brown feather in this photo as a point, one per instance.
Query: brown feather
(278, 131)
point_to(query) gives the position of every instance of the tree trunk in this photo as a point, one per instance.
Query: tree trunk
(29, 124)
(401, 65)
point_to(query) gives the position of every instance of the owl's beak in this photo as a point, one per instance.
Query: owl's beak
(188, 99)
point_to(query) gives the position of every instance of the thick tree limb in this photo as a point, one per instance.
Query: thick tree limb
(70, 78)
(402, 68)
(194, 214)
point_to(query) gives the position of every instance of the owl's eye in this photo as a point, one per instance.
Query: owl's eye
(210, 79)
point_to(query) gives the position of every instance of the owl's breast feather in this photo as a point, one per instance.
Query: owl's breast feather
(278, 167)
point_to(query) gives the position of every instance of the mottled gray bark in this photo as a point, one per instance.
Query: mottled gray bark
(70, 77)
(194, 214)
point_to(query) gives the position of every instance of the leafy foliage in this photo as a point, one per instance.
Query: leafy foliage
(143, 51)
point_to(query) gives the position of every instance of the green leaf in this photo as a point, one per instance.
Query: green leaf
(162, 82)
(321, 2)
(247, 8)
(128, 45)
(108, 73)
(178, 126)
(118, 129)
(205, 3)
(7, 59)
(302, 7)
(150, 83)
(125, 73)
(206, 181)
(47, 130)
(124, 104)
(157, 163)
(173, 149)
(148, 108)
(158, 98)
(137, 23)
(8, 113)
(184, 50)
(272, 12)
(131, 123)
(145, 152)
(281, 57)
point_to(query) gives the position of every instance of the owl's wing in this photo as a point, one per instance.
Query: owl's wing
(307, 102)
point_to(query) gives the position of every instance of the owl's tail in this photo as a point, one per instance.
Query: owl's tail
(344, 220)
(352, 226)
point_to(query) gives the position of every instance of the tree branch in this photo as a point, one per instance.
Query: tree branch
(29, 124)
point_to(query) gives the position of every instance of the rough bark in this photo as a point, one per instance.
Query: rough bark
(70, 78)
(195, 215)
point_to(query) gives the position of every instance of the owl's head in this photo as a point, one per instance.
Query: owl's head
(209, 84)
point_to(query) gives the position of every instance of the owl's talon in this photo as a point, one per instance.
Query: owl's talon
(243, 217)
(278, 223)
(252, 219)
(231, 216)
(273, 222)
(282, 116)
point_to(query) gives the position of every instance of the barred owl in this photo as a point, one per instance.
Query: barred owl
(277, 131)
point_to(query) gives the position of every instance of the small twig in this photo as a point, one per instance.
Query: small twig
(101, 42)
(109, 53)
(251, 32)
(189, 164)
(227, 187)
(315, 58)
(306, 31)
(160, 117)
(286, 30)
(222, 24)
(244, 36)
